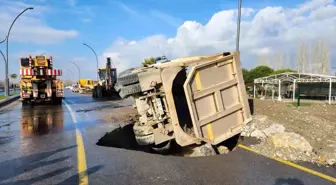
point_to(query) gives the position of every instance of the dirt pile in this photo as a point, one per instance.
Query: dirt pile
(296, 134)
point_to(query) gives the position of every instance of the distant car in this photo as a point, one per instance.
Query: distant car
(68, 87)
(74, 88)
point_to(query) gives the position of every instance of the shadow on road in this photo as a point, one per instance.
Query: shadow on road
(288, 181)
(75, 178)
(122, 137)
(18, 166)
(39, 178)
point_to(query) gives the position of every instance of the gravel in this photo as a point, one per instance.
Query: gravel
(296, 134)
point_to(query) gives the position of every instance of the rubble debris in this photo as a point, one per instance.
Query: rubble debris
(292, 140)
(295, 134)
(201, 151)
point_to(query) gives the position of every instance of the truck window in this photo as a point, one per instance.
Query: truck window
(25, 62)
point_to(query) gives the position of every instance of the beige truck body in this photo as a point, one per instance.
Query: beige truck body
(191, 100)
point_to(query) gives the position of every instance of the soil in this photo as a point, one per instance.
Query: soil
(126, 114)
(315, 122)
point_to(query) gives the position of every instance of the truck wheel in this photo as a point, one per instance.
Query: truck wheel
(94, 92)
(59, 101)
(24, 103)
(162, 147)
(145, 140)
(126, 91)
(128, 79)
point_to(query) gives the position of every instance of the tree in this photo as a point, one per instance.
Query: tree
(246, 76)
(260, 71)
(282, 71)
(149, 61)
(301, 58)
(13, 76)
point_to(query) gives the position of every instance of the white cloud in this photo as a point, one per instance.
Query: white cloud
(30, 27)
(268, 30)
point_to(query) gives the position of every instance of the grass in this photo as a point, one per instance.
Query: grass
(12, 94)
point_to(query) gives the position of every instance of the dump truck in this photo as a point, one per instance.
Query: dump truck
(85, 85)
(192, 100)
(39, 81)
(107, 80)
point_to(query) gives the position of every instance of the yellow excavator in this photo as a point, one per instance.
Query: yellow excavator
(107, 80)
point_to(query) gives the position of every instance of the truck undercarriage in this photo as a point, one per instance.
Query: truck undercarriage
(191, 100)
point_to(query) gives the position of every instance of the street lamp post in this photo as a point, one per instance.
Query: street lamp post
(6, 63)
(3, 56)
(42, 54)
(95, 55)
(78, 70)
(72, 76)
(238, 24)
(3, 40)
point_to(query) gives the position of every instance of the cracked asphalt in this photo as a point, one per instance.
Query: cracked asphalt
(39, 145)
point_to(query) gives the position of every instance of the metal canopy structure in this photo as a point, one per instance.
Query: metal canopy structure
(295, 78)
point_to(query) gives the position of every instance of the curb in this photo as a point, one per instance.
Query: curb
(9, 100)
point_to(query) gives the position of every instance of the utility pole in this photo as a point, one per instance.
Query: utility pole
(6, 64)
(238, 24)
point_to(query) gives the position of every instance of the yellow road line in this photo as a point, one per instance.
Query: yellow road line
(313, 172)
(81, 159)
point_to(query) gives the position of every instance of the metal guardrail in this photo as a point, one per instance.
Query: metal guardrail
(9, 100)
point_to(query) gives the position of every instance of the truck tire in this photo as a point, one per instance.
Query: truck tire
(24, 103)
(128, 79)
(163, 147)
(59, 101)
(94, 92)
(126, 91)
(145, 140)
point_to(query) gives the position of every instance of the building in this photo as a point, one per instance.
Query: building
(310, 86)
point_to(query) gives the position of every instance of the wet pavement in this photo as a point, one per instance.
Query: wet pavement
(39, 145)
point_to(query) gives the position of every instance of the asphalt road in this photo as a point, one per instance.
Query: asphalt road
(53, 145)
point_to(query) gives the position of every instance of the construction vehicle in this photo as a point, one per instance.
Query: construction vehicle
(107, 80)
(193, 100)
(85, 85)
(39, 81)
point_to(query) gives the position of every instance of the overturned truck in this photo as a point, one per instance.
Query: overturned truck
(191, 100)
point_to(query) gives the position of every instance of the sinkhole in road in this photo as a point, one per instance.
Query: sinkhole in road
(123, 137)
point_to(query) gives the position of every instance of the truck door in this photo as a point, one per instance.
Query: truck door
(217, 99)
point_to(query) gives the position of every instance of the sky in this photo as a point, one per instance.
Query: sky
(130, 30)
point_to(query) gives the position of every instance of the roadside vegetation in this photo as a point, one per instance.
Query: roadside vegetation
(11, 94)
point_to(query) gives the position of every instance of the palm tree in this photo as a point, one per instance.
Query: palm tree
(149, 61)
(13, 77)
